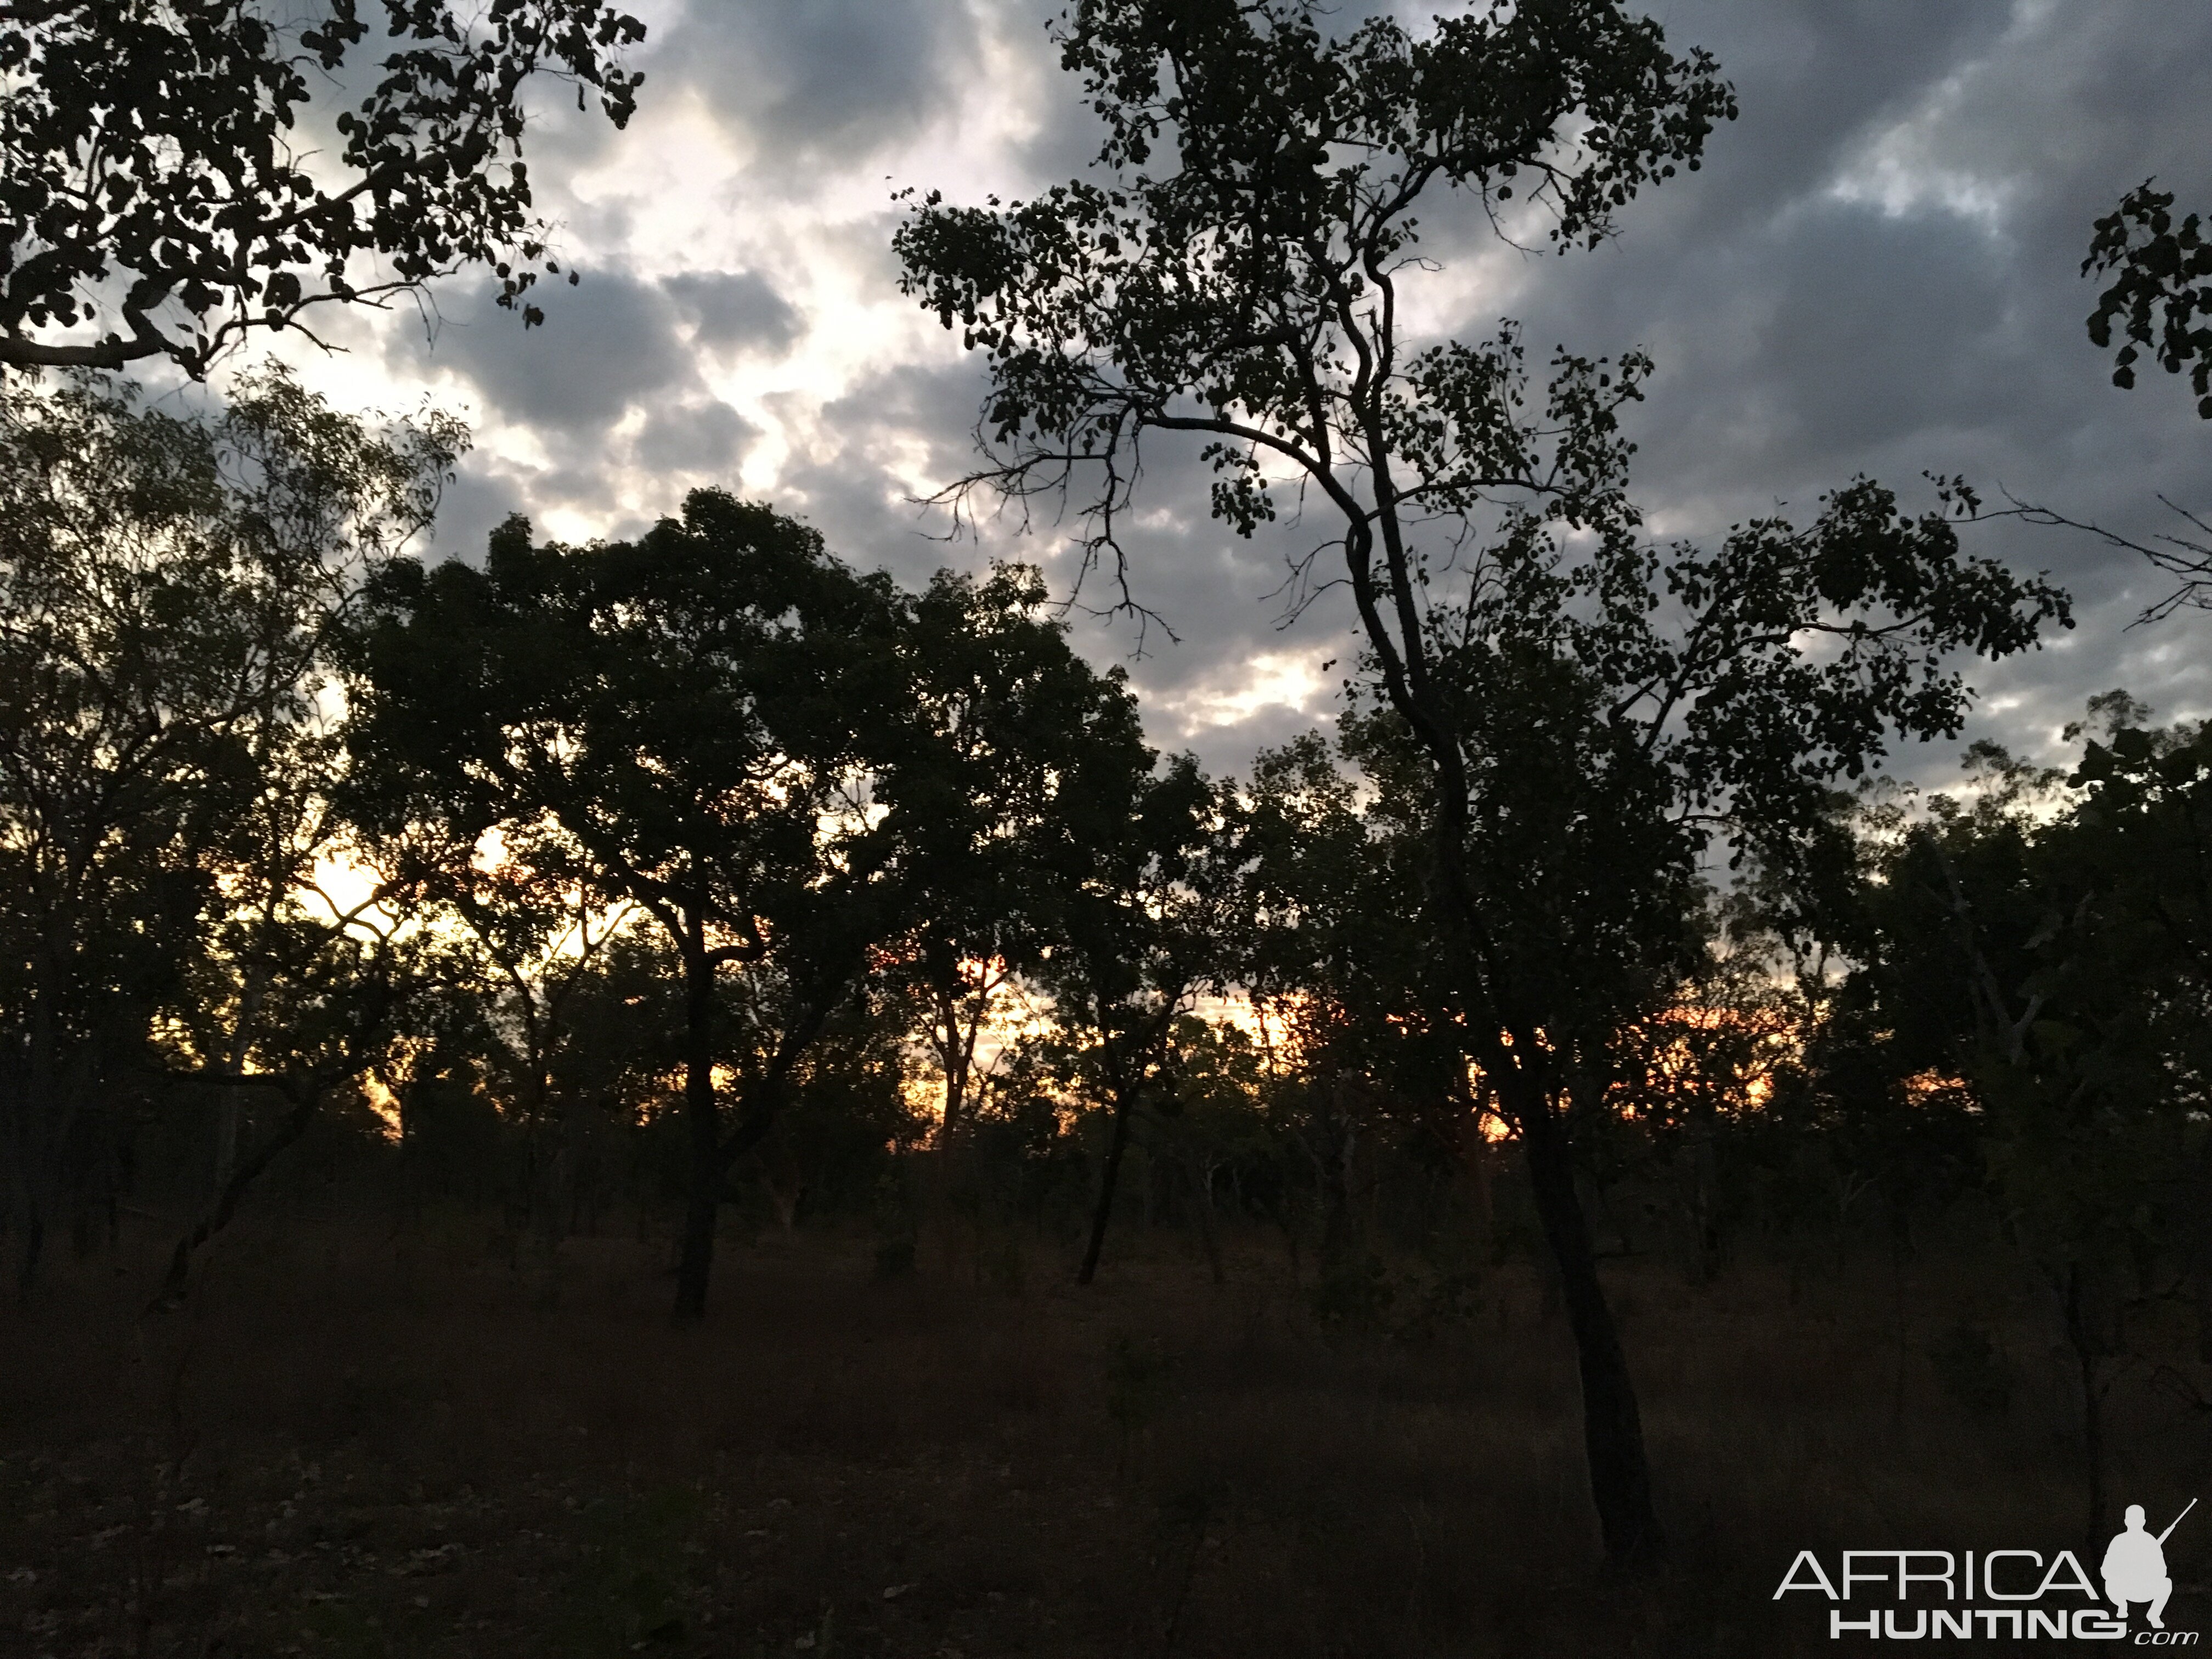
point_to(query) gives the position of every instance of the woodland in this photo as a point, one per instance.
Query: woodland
(680, 1094)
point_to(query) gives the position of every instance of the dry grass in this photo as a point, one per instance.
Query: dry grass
(354, 1444)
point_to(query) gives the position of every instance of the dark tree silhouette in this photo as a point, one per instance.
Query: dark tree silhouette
(169, 589)
(2161, 299)
(1020, 722)
(1249, 293)
(1134, 885)
(691, 723)
(2048, 943)
(796, 771)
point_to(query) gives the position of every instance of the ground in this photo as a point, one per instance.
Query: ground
(434, 1439)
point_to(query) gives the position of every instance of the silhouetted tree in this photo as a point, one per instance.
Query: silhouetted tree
(1565, 753)
(801, 774)
(2161, 296)
(1135, 881)
(1016, 717)
(2043, 947)
(533, 941)
(168, 589)
(696, 723)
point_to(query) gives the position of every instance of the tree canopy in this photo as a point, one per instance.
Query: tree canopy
(170, 594)
(201, 168)
(794, 771)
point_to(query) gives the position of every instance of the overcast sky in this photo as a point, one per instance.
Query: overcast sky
(1876, 271)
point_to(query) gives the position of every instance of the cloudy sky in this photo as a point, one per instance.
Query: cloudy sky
(1876, 271)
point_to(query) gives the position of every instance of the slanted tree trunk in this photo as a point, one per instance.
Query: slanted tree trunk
(1613, 1428)
(47, 1107)
(230, 1104)
(306, 1097)
(1125, 1100)
(34, 1238)
(538, 1200)
(943, 1169)
(1475, 1153)
(785, 1182)
(754, 1111)
(1334, 1160)
(954, 1037)
(1620, 1478)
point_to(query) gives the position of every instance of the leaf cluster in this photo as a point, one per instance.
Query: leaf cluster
(168, 155)
(2160, 295)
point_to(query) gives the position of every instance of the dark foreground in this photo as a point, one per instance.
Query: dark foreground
(433, 1442)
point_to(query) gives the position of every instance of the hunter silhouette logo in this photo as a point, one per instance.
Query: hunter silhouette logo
(2134, 1565)
(2023, 1595)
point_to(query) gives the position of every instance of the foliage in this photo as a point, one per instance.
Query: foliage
(1240, 295)
(1023, 726)
(823, 791)
(171, 159)
(168, 591)
(2161, 290)
(705, 724)
(1137, 885)
(2041, 946)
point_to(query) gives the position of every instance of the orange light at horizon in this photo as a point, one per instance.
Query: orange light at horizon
(1922, 1086)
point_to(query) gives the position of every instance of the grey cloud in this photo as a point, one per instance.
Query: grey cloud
(845, 484)
(1204, 582)
(1813, 317)
(1813, 320)
(1803, 337)
(1811, 76)
(474, 504)
(703, 437)
(1227, 750)
(605, 345)
(1211, 595)
(820, 82)
(612, 345)
(734, 308)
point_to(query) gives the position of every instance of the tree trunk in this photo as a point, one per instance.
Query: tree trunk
(1201, 1174)
(2085, 1335)
(1337, 1135)
(940, 1182)
(1124, 1098)
(785, 1182)
(955, 1055)
(177, 1280)
(703, 1120)
(230, 1104)
(1612, 1429)
(1474, 1155)
(229, 1118)
(34, 1238)
(45, 1119)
